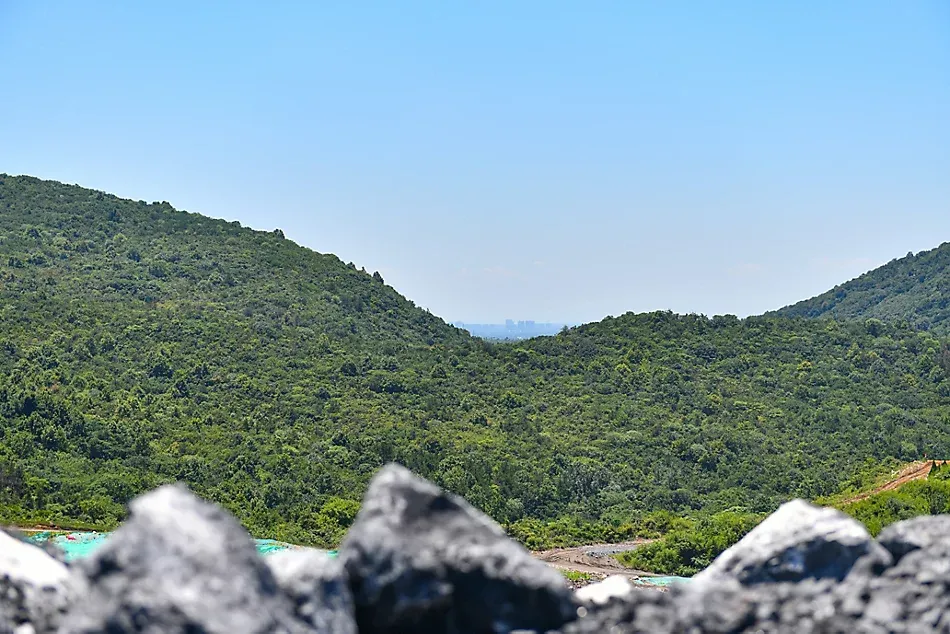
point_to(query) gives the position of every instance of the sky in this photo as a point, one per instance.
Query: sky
(555, 161)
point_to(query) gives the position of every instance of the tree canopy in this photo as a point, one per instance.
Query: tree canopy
(911, 289)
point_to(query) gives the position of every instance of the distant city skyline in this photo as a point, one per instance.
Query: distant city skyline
(563, 160)
(513, 329)
(512, 323)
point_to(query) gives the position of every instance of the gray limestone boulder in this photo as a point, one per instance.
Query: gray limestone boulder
(613, 588)
(35, 588)
(929, 532)
(911, 596)
(418, 559)
(798, 541)
(422, 560)
(318, 587)
(180, 565)
(807, 606)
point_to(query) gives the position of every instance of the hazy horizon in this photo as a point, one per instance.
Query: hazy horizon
(550, 161)
(501, 321)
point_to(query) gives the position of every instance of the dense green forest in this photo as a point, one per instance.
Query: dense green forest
(912, 289)
(140, 345)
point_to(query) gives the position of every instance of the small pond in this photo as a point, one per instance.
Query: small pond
(660, 582)
(82, 543)
(79, 544)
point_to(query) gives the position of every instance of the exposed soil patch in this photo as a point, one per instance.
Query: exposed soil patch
(594, 559)
(914, 471)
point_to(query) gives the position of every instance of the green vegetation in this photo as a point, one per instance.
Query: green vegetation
(692, 545)
(577, 576)
(142, 345)
(920, 497)
(911, 289)
(870, 477)
(538, 534)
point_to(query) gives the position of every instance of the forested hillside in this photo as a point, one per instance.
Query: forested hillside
(915, 289)
(690, 412)
(140, 344)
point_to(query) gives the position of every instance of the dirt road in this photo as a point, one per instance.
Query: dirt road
(914, 471)
(598, 559)
(595, 559)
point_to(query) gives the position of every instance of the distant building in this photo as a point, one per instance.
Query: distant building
(512, 330)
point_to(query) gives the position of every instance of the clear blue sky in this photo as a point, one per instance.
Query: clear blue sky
(534, 160)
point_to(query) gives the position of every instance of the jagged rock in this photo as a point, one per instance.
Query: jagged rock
(911, 596)
(318, 587)
(46, 546)
(35, 588)
(180, 565)
(749, 594)
(931, 532)
(612, 588)
(422, 560)
(728, 606)
(798, 541)
(618, 615)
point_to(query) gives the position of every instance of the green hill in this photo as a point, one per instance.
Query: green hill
(689, 412)
(140, 345)
(915, 289)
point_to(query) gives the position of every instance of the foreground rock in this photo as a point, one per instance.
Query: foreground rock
(318, 588)
(180, 565)
(35, 587)
(422, 560)
(930, 532)
(805, 570)
(613, 588)
(796, 542)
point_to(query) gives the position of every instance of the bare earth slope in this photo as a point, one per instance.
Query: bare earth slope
(913, 471)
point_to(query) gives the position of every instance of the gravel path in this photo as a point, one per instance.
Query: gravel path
(596, 559)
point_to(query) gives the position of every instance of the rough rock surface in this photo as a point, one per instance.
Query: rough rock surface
(796, 542)
(802, 570)
(180, 565)
(930, 531)
(613, 588)
(318, 587)
(422, 560)
(34, 587)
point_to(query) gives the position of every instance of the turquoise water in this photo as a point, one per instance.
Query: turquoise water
(662, 582)
(82, 543)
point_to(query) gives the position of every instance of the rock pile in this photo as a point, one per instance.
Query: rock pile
(418, 559)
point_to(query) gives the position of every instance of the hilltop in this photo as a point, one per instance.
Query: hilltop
(912, 289)
(141, 345)
(66, 242)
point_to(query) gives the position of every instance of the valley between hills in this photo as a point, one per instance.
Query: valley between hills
(141, 345)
